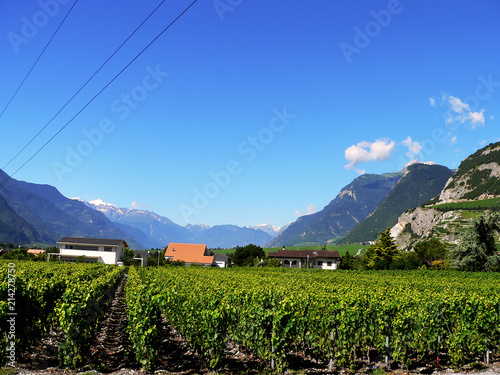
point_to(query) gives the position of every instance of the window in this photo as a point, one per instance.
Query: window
(329, 264)
(320, 262)
(108, 249)
(81, 247)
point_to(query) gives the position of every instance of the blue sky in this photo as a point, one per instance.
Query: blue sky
(245, 112)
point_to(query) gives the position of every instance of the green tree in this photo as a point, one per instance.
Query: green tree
(431, 250)
(244, 256)
(477, 250)
(380, 255)
(346, 262)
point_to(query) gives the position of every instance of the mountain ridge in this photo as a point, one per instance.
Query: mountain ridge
(352, 205)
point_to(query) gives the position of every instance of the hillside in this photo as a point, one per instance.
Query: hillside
(477, 177)
(420, 183)
(13, 228)
(351, 206)
(47, 215)
(473, 188)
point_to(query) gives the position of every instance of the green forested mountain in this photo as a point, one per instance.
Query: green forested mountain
(421, 183)
(351, 206)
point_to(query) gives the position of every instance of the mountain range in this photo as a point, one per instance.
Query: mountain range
(420, 201)
(39, 214)
(158, 231)
(351, 206)
(420, 183)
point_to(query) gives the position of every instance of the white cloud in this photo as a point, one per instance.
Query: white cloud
(492, 117)
(414, 148)
(138, 206)
(432, 101)
(311, 209)
(476, 118)
(360, 171)
(457, 105)
(380, 150)
(460, 113)
(453, 139)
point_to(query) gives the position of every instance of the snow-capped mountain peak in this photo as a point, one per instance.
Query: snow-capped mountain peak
(100, 202)
(267, 228)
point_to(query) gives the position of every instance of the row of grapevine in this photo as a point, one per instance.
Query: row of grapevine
(143, 316)
(36, 294)
(82, 307)
(338, 316)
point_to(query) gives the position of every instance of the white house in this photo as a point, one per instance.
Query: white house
(319, 259)
(221, 260)
(102, 250)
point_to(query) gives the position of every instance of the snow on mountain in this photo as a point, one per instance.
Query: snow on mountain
(266, 228)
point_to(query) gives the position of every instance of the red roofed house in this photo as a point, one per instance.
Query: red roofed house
(189, 254)
(36, 252)
(321, 259)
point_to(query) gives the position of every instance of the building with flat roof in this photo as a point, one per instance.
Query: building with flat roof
(101, 250)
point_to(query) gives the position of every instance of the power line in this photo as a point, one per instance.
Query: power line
(84, 85)
(36, 62)
(100, 92)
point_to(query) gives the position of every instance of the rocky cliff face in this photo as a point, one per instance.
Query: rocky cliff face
(421, 223)
(476, 179)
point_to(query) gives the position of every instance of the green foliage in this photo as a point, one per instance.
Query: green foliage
(271, 262)
(144, 317)
(82, 306)
(245, 255)
(339, 315)
(348, 262)
(431, 250)
(127, 253)
(492, 204)
(39, 297)
(477, 250)
(380, 255)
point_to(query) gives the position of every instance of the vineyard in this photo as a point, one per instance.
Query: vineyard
(335, 319)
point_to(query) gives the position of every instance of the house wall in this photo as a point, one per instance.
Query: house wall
(313, 263)
(107, 257)
(324, 266)
(220, 263)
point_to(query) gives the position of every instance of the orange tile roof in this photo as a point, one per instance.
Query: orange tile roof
(188, 253)
(36, 251)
